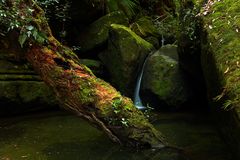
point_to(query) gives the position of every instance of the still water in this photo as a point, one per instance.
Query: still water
(61, 136)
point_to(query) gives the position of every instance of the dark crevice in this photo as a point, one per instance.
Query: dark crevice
(65, 65)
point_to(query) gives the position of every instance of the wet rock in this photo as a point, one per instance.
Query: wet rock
(126, 53)
(163, 80)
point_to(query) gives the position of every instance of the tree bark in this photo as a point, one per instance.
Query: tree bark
(79, 91)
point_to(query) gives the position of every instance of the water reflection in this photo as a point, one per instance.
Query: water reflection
(60, 136)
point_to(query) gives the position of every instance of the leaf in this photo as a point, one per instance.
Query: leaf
(29, 33)
(22, 39)
(35, 34)
(41, 37)
(29, 28)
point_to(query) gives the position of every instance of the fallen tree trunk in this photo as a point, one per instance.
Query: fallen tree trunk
(79, 91)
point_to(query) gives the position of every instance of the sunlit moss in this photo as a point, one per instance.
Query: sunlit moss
(138, 39)
(222, 23)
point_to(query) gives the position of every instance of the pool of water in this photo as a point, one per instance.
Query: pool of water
(62, 136)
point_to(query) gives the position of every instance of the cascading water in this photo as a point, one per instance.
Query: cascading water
(137, 98)
(163, 40)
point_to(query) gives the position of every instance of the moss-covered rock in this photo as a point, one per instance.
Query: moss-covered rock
(126, 53)
(220, 61)
(21, 90)
(163, 80)
(97, 33)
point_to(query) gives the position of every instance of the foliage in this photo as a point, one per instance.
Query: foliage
(167, 26)
(12, 18)
(117, 109)
(222, 23)
(15, 16)
(189, 22)
(57, 10)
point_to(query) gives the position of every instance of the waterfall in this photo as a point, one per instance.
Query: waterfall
(163, 41)
(137, 100)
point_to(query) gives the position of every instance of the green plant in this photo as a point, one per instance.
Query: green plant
(116, 103)
(57, 10)
(14, 16)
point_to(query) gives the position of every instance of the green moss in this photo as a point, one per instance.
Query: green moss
(39, 93)
(126, 52)
(138, 39)
(223, 27)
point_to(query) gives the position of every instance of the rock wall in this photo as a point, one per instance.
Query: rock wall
(21, 90)
(220, 43)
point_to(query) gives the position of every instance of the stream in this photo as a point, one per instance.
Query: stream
(58, 135)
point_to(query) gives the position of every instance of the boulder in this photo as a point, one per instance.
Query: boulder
(97, 33)
(163, 82)
(124, 57)
(21, 90)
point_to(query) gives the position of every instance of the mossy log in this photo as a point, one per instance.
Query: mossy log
(81, 92)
